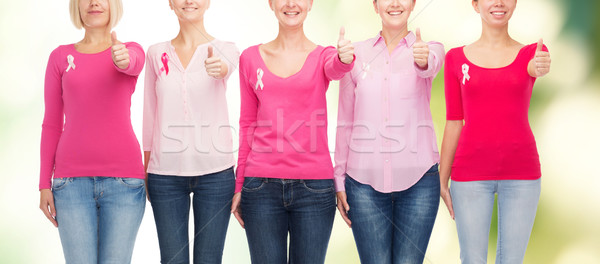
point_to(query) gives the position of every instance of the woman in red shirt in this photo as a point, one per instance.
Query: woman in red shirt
(488, 146)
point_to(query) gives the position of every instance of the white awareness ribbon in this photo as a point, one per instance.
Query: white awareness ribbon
(259, 75)
(465, 71)
(366, 68)
(71, 60)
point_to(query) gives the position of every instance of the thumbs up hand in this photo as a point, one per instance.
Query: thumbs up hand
(541, 60)
(120, 53)
(345, 48)
(214, 65)
(421, 51)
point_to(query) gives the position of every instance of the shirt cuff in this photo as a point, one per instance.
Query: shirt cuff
(339, 183)
(239, 178)
(339, 66)
(429, 72)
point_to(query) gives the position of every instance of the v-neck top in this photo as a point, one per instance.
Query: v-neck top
(496, 142)
(283, 121)
(186, 122)
(87, 127)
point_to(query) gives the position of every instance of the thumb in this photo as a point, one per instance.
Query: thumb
(210, 51)
(342, 33)
(540, 45)
(113, 38)
(418, 33)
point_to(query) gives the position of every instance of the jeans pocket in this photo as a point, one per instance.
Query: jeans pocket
(318, 186)
(133, 183)
(60, 183)
(253, 184)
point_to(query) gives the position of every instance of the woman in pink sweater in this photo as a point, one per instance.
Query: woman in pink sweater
(284, 174)
(97, 197)
(488, 147)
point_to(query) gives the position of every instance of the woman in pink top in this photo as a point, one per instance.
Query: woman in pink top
(386, 154)
(187, 137)
(97, 197)
(284, 175)
(488, 147)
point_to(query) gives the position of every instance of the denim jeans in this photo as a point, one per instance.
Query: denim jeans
(170, 199)
(98, 217)
(473, 205)
(272, 208)
(393, 227)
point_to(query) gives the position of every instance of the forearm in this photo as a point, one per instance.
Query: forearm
(146, 160)
(452, 133)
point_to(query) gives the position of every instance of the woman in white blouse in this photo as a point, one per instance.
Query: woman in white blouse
(187, 138)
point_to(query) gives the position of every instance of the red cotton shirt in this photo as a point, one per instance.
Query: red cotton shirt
(496, 142)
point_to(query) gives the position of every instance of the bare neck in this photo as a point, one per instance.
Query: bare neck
(393, 36)
(495, 37)
(96, 36)
(291, 39)
(192, 34)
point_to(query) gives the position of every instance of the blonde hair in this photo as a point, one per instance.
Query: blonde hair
(116, 12)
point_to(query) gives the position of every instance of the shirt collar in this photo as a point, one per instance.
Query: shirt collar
(408, 41)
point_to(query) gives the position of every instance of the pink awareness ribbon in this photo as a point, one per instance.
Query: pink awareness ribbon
(165, 61)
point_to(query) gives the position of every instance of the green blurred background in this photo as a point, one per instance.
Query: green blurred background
(565, 113)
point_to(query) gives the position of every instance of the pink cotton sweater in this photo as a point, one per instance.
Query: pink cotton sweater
(283, 121)
(87, 126)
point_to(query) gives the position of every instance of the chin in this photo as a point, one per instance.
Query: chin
(292, 24)
(395, 25)
(192, 19)
(96, 24)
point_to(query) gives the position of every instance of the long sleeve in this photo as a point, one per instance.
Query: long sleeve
(435, 61)
(454, 107)
(136, 59)
(345, 123)
(231, 57)
(149, 104)
(248, 113)
(52, 125)
(334, 67)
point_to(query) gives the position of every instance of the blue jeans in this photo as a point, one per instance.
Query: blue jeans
(393, 227)
(98, 217)
(272, 208)
(170, 199)
(473, 205)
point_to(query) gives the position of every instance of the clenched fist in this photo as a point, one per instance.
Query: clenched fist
(421, 51)
(214, 66)
(541, 61)
(345, 48)
(120, 53)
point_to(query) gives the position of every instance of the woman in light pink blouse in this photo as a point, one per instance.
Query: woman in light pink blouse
(386, 154)
(187, 137)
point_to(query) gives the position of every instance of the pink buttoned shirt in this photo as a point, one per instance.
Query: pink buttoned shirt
(186, 123)
(385, 134)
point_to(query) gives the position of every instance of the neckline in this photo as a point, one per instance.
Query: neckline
(497, 68)
(262, 61)
(178, 63)
(82, 53)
